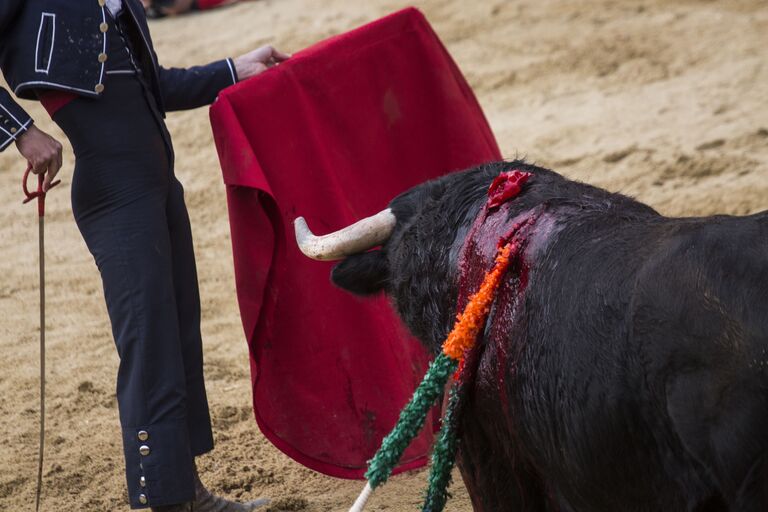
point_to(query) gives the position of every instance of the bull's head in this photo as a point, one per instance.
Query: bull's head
(409, 250)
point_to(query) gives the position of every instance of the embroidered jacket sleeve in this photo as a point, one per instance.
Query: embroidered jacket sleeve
(194, 87)
(13, 119)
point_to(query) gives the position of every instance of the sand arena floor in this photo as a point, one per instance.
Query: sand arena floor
(664, 100)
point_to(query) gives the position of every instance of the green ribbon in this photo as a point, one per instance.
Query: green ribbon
(443, 457)
(411, 420)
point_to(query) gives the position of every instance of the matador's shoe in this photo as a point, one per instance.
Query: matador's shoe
(207, 502)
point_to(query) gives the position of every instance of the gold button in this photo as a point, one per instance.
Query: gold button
(104, 27)
(99, 88)
(142, 481)
(102, 57)
(143, 499)
(13, 130)
(102, 2)
(143, 435)
(144, 450)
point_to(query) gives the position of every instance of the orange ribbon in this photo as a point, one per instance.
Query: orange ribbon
(469, 323)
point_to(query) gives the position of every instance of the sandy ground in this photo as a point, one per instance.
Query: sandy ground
(663, 100)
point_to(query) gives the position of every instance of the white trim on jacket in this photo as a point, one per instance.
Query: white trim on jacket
(53, 42)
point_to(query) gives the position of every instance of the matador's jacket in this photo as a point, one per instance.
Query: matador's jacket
(64, 45)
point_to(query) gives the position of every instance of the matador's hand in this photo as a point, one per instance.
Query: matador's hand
(43, 153)
(258, 61)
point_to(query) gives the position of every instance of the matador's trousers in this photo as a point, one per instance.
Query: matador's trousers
(130, 209)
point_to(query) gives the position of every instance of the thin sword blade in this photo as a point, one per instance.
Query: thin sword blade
(41, 227)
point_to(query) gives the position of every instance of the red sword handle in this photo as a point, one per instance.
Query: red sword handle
(39, 193)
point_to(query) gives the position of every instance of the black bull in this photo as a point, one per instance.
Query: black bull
(631, 372)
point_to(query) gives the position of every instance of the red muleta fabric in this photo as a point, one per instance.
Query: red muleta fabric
(334, 134)
(210, 4)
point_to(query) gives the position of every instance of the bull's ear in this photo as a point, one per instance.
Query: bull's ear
(362, 274)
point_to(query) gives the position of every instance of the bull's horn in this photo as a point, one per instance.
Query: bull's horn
(360, 236)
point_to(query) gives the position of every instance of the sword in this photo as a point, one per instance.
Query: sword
(40, 195)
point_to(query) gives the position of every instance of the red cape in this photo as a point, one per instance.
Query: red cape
(334, 134)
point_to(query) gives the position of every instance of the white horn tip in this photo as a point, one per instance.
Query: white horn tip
(304, 239)
(301, 227)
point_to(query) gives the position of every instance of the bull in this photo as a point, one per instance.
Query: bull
(624, 365)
